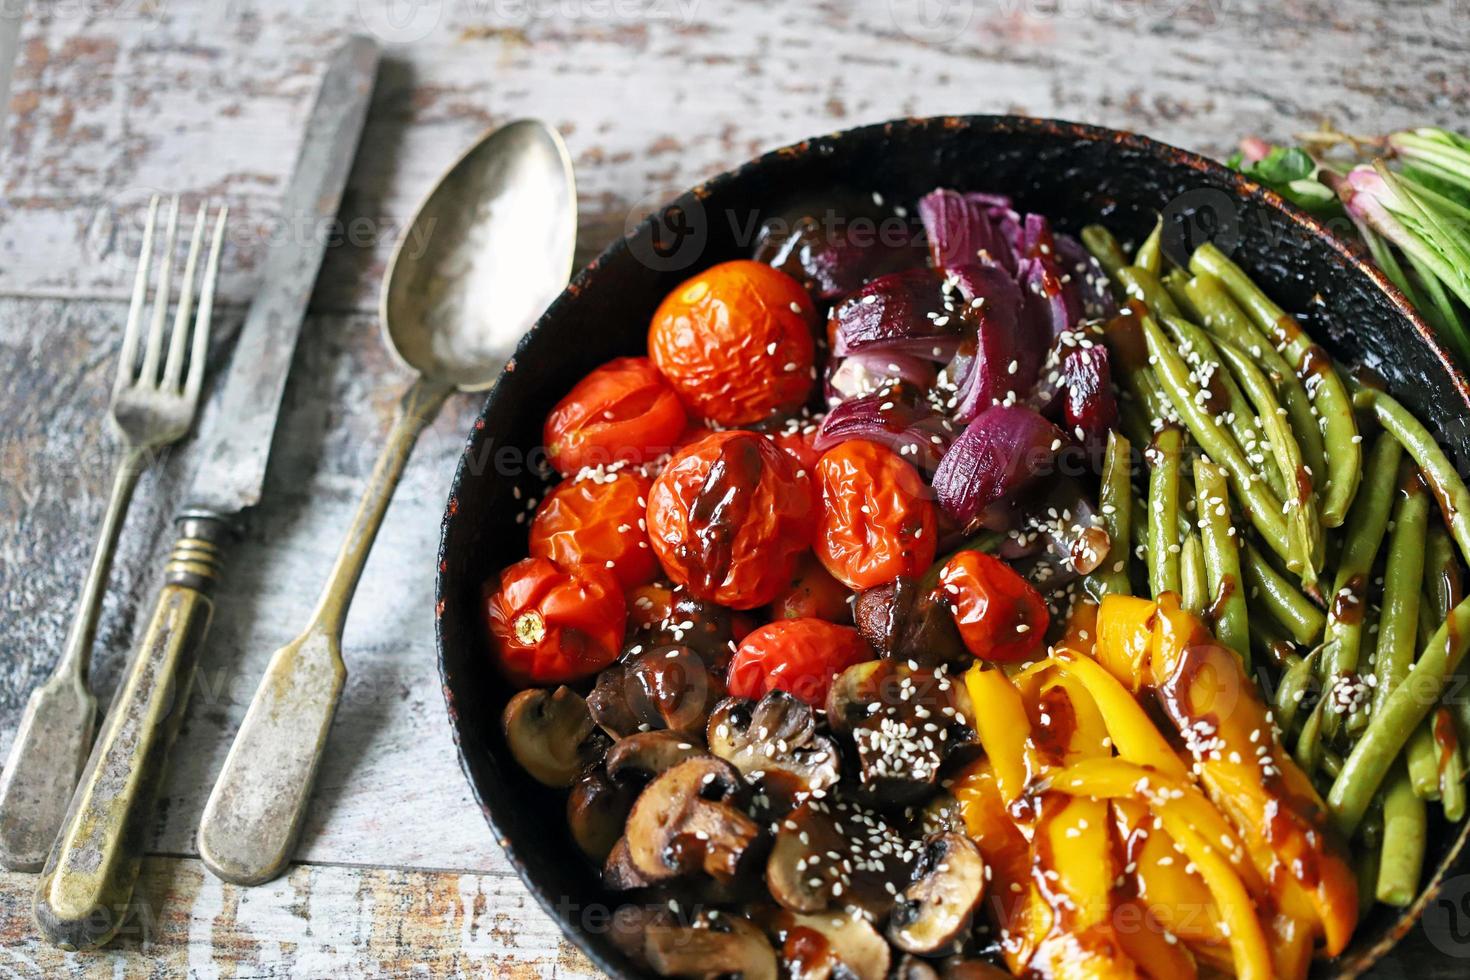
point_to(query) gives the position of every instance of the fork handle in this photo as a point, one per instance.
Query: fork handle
(85, 891)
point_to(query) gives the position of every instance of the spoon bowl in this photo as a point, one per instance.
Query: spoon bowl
(488, 250)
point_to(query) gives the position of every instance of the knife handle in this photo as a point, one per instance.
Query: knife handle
(85, 891)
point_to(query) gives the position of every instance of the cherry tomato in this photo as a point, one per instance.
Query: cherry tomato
(800, 656)
(813, 593)
(623, 410)
(598, 521)
(799, 444)
(728, 517)
(736, 342)
(877, 520)
(1001, 617)
(554, 624)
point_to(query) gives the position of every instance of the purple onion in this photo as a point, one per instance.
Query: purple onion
(1002, 450)
(896, 417)
(902, 313)
(867, 371)
(1091, 409)
(832, 258)
(1086, 277)
(1047, 304)
(966, 229)
(1003, 355)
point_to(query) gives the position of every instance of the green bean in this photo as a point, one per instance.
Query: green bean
(1438, 471)
(1219, 315)
(1129, 353)
(1365, 527)
(1405, 830)
(1115, 503)
(1296, 682)
(1105, 248)
(1406, 706)
(1261, 505)
(1228, 614)
(1451, 766)
(1294, 611)
(1146, 287)
(1192, 588)
(1163, 512)
(1403, 578)
(1343, 457)
(1223, 397)
(1175, 281)
(1301, 502)
(1367, 858)
(1422, 759)
(1308, 752)
(1442, 579)
(1149, 256)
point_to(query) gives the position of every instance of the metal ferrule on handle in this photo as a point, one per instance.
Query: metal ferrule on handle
(85, 892)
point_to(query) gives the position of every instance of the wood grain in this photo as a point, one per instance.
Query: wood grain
(115, 99)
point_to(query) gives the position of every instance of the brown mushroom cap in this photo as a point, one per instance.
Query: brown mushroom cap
(711, 944)
(774, 743)
(905, 621)
(904, 722)
(618, 873)
(597, 809)
(656, 688)
(936, 910)
(703, 627)
(638, 758)
(910, 967)
(831, 944)
(838, 853)
(550, 734)
(689, 820)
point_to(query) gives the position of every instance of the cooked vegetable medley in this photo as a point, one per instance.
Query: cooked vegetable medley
(1046, 613)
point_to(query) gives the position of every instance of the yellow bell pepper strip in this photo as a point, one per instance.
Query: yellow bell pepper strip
(1007, 853)
(1132, 732)
(1003, 729)
(1175, 896)
(1125, 636)
(1184, 817)
(1148, 944)
(1227, 728)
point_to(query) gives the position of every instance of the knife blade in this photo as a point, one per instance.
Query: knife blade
(234, 453)
(84, 894)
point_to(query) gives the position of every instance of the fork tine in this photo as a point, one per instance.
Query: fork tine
(126, 366)
(206, 313)
(173, 368)
(154, 348)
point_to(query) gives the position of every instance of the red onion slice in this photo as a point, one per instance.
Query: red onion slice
(1002, 450)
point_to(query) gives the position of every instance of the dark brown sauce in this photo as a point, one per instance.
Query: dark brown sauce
(1125, 335)
(1222, 596)
(1288, 329)
(1303, 484)
(1348, 603)
(720, 509)
(1315, 361)
(1445, 738)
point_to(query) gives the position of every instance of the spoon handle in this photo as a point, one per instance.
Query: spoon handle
(256, 809)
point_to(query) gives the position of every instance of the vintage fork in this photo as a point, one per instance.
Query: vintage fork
(153, 405)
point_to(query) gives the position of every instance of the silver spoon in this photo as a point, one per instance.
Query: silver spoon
(489, 249)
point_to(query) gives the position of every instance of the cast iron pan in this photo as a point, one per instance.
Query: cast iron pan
(1072, 173)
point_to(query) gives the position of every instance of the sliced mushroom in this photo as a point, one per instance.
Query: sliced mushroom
(699, 626)
(936, 910)
(665, 687)
(689, 820)
(904, 722)
(774, 743)
(618, 873)
(830, 853)
(638, 758)
(961, 968)
(910, 967)
(551, 734)
(597, 809)
(906, 621)
(713, 944)
(831, 944)
(939, 816)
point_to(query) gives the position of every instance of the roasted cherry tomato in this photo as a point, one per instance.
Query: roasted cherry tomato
(598, 521)
(877, 520)
(1001, 617)
(728, 517)
(622, 411)
(813, 593)
(554, 624)
(736, 342)
(800, 656)
(798, 443)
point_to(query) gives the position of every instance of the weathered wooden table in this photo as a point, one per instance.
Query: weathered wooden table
(397, 874)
